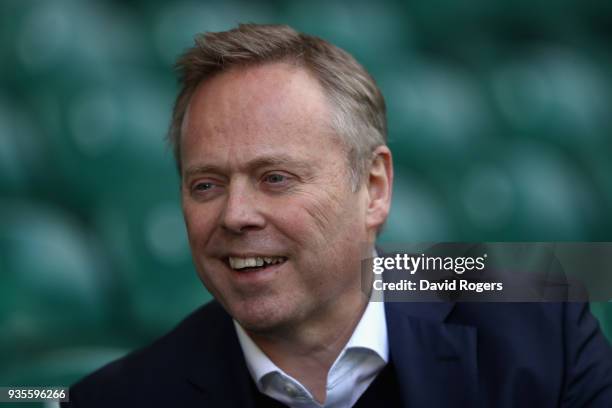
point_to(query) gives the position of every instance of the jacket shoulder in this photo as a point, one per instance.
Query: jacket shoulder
(164, 363)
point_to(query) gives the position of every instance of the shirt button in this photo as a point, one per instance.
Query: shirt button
(291, 390)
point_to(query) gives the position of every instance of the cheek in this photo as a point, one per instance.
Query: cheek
(199, 223)
(305, 217)
(321, 217)
(335, 211)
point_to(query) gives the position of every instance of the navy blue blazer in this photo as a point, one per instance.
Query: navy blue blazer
(445, 355)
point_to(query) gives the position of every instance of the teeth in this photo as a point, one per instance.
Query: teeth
(241, 263)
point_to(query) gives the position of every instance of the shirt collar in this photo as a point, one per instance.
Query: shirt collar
(370, 333)
(257, 362)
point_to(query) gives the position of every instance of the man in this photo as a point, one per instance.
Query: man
(280, 141)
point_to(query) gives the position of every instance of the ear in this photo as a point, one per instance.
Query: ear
(380, 187)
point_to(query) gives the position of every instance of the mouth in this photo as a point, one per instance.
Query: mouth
(253, 263)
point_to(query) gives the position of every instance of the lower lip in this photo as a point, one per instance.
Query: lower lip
(257, 275)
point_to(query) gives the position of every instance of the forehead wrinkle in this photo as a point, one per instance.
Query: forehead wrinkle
(267, 95)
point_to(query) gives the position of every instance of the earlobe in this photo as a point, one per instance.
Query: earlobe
(380, 187)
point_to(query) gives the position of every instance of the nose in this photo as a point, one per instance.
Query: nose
(241, 212)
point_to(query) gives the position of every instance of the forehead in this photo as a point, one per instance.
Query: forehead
(263, 107)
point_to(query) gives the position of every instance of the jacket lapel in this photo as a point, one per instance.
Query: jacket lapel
(435, 362)
(217, 370)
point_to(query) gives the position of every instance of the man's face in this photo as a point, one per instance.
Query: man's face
(265, 179)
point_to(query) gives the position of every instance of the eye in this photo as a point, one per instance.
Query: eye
(275, 178)
(277, 181)
(203, 186)
(205, 189)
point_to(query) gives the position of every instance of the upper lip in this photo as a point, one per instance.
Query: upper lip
(251, 255)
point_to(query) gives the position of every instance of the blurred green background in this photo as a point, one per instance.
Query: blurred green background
(499, 116)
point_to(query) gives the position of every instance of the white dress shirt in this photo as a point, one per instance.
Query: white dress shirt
(362, 358)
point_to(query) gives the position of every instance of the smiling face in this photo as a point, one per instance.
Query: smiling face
(274, 227)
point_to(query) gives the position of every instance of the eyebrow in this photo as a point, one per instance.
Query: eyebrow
(257, 163)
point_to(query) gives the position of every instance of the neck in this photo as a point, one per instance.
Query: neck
(308, 350)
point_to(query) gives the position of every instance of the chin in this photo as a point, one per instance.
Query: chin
(260, 316)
